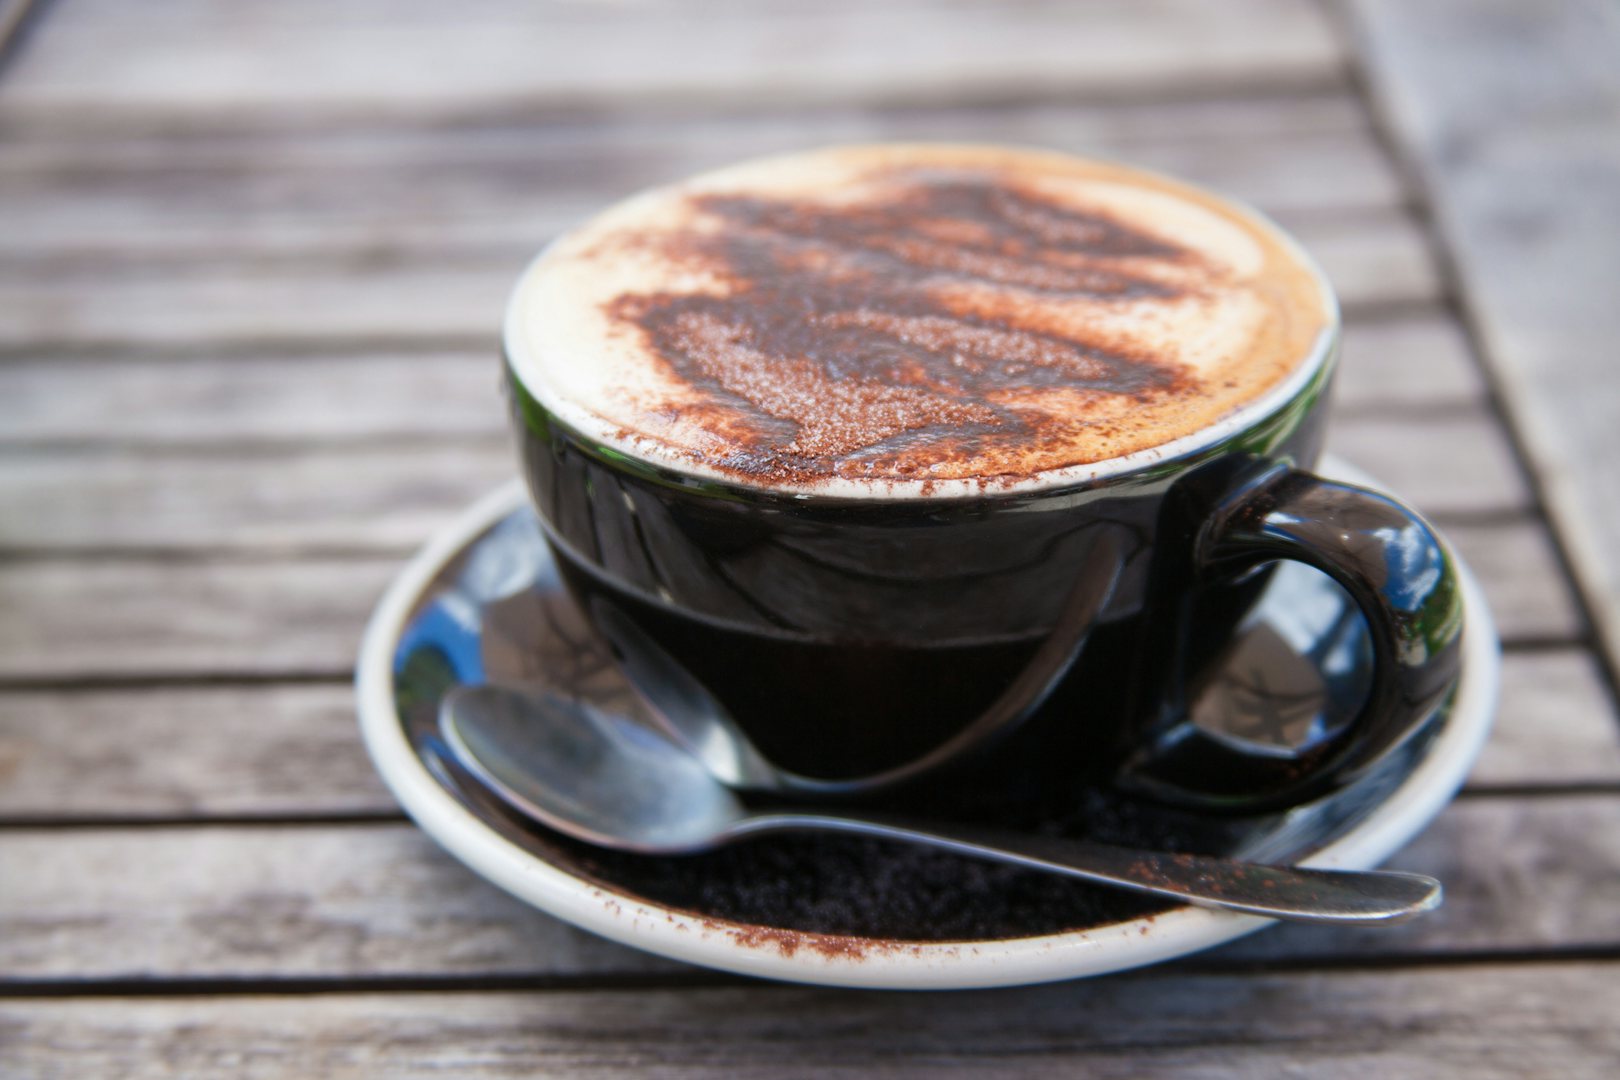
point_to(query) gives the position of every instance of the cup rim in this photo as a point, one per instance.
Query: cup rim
(1313, 370)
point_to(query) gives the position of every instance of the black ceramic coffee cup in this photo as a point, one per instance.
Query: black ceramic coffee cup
(862, 644)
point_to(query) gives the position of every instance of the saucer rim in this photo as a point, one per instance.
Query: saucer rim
(758, 949)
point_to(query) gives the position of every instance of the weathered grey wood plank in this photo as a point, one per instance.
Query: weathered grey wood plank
(1417, 364)
(1445, 464)
(387, 497)
(1495, 856)
(140, 617)
(380, 899)
(340, 900)
(1556, 724)
(391, 496)
(250, 751)
(146, 618)
(1511, 114)
(1524, 584)
(294, 751)
(184, 55)
(258, 398)
(160, 195)
(1495, 1021)
(322, 300)
(1374, 259)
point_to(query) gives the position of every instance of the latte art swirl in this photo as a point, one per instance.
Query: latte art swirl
(894, 319)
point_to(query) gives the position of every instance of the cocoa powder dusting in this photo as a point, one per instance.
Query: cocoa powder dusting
(850, 897)
(895, 337)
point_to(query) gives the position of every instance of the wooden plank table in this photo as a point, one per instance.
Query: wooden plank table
(252, 261)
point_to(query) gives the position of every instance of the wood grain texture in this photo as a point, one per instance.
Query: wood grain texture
(250, 286)
(235, 901)
(365, 295)
(1556, 724)
(257, 398)
(390, 496)
(1484, 1023)
(336, 901)
(387, 497)
(1524, 584)
(191, 56)
(1500, 861)
(250, 751)
(156, 193)
(1413, 365)
(251, 276)
(258, 615)
(311, 139)
(294, 751)
(160, 618)
(1417, 363)
(1447, 465)
(1511, 115)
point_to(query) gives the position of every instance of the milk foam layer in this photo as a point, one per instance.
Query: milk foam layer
(913, 319)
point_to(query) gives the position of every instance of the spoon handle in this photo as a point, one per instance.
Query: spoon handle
(1357, 897)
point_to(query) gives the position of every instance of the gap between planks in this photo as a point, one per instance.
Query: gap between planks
(93, 682)
(320, 819)
(695, 978)
(1509, 1020)
(581, 114)
(80, 756)
(1483, 1022)
(280, 902)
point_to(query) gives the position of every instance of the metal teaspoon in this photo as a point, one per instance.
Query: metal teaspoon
(609, 781)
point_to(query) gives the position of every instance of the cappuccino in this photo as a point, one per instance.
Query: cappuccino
(905, 320)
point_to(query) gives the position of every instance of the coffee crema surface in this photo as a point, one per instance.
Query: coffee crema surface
(913, 320)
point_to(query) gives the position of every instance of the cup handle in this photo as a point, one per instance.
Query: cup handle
(1397, 571)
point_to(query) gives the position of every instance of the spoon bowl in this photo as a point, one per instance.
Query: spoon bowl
(593, 775)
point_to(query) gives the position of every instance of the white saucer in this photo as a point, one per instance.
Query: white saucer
(506, 856)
